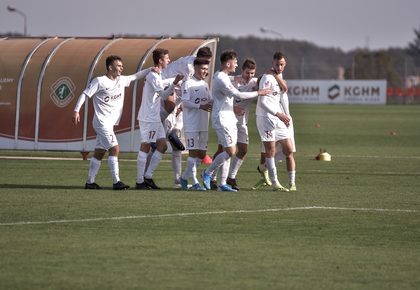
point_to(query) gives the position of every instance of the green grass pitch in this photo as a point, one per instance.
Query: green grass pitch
(354, 222)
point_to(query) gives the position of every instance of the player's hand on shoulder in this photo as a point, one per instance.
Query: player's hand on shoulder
(178, 78)
(264, 91)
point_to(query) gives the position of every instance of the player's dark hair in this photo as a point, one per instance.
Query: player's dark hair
(158, 54)
(110, 60)
(204, 52)
(228, 55)
(201, 61)
(249, 63)
(278, 55)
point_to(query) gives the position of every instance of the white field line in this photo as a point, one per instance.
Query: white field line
(221, 212)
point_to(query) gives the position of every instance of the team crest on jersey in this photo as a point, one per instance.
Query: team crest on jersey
(62, 91)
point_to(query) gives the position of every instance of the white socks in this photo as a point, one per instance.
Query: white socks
(113, 166)
(217, 162)
(272, 170)
(94, 166)
(141, 166)
(234, 168)
(154, 162)
(177, 164)
(292, 177)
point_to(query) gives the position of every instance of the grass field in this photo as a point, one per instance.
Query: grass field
(354, 222)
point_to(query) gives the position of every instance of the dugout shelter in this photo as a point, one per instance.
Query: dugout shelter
(42, 78)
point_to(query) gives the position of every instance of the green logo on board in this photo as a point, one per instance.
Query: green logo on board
(62, 91)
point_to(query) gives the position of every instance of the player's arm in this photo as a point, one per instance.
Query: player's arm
(89, 91)
(141, 74)
(187, 101)
(165, 93)
(79, 104)
(266, 105)
(282, 83)
(230, 90)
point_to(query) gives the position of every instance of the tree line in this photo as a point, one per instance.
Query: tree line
(306, 60)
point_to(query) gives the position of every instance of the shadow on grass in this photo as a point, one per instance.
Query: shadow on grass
(39, 186)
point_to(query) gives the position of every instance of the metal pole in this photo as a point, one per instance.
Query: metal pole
(13, 9)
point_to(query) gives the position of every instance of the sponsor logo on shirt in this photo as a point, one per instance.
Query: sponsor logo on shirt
(112, 98)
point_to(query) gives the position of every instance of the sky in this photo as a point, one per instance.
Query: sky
(347, 25)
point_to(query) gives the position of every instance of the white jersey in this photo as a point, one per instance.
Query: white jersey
(108, 99)
(195, 93)
(151, 100)
(244, 103)
(269, 105)
(182, 66)
(223, 94)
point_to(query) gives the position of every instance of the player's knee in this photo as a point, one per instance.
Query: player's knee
(114, 151)
(241, 154)
(161, 146)
(288, 154)
(99, 154)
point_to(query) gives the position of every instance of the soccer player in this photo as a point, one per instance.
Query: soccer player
(279, 156)
(223, 117)
(107, 93)
(172, 109)
(196, 100)
(244, 83)
(273, 122)
(150, 124)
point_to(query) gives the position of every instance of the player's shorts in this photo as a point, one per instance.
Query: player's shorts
(105, 138)
(227, 136)
(278, 145)
(271, 131)
(243, 136)
(151, 131)
(197, 140)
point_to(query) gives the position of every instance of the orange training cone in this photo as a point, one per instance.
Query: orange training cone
(207, 160)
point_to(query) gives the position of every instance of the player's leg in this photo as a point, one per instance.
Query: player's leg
(114, 168)
(287, 147)
(238, 159)
(227, 137)
(147, 137)
(177, 157)
(213, 182)
(94, 166)
(192, 142)
(199, 154)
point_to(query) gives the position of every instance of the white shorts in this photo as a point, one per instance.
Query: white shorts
(278, 145)
(243, 136)
(151, 131)
(197, 140)
(271, 131)
(105, 138)
(227, 136)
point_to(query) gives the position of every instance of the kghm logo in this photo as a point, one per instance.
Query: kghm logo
(62, 91)
(334, 92)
